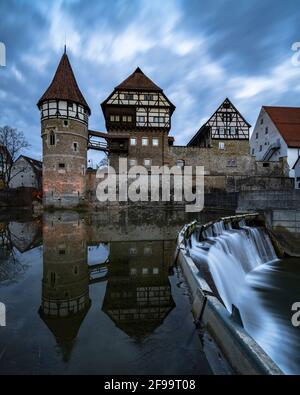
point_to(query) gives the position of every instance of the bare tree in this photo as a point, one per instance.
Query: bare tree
(12, 142)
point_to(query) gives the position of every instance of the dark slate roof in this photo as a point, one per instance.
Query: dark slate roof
(138, 81)
(64, 85)
(287, 121)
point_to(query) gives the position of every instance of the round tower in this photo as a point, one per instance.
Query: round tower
(64, 131)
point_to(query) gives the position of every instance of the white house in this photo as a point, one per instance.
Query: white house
(277, 135)
(297, 173)
(26, 172)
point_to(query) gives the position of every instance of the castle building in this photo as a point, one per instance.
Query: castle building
(64, 131)
(138, 120)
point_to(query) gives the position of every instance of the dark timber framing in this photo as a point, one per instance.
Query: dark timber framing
(226, 123)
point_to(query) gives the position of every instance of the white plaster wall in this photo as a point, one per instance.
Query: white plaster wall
(266, 139)
(23, 175)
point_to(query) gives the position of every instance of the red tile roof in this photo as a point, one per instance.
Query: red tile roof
(64, 85)
(287, 121)
(138, 81)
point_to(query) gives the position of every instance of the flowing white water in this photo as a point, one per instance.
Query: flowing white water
(230, 254)
(246, 273)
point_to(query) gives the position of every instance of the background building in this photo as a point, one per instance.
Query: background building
(276, 136)
(26, 172)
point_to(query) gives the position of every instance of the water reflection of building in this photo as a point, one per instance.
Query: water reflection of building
(65, 295)
(138, 295)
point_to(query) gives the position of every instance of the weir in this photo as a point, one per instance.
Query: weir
(230, 249)
(216, 259)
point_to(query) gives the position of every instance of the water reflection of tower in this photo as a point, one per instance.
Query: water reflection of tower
(138, 294)
(65, 295)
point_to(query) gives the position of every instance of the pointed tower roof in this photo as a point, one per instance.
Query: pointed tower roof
(64, 85)
(138, 81)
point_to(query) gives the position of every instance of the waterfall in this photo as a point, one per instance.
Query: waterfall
(230, 254)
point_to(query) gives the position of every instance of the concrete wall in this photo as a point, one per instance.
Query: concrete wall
(264, 200)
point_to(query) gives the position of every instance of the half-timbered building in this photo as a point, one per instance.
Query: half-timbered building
(138, 120)
(226, 124)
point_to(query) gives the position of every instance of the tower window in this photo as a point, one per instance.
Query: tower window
(267, 130)
(133, 141)
(221, 145)
(52, 138)
(75, 147)
(61, 165)
(52, 279)
(66, 123)
(145, 141)
(256, 136)
(155, 142)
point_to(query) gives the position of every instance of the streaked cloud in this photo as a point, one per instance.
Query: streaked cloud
(199, 52)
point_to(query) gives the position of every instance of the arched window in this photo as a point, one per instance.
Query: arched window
(52, 138)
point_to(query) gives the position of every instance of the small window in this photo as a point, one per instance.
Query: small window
(141, 119)
(148, 97)
(145, 270)
(132, 162)
(75, 147)
(133, 251)
(180, 163)
(128, 96)
(133, 141)
(114, 118)
(70, 106)
(62, 252)
(147, 251)
(155, 270)
(266, 164)
(253, 151)
(155, 142)
(52, 138)
(61, 165)
(147, 162)
(260, 148)
(226, 117)
(145, 141)
(231, 163)
(66, 123)
(221, 130)
(52, 278)
(233, 131)
(256, 135)
(126, 118)
(261, 121)
(221, 145)
(266, 130)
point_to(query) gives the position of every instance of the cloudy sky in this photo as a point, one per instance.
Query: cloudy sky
(198, 51)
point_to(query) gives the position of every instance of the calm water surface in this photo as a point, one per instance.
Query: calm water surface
(96, 295)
